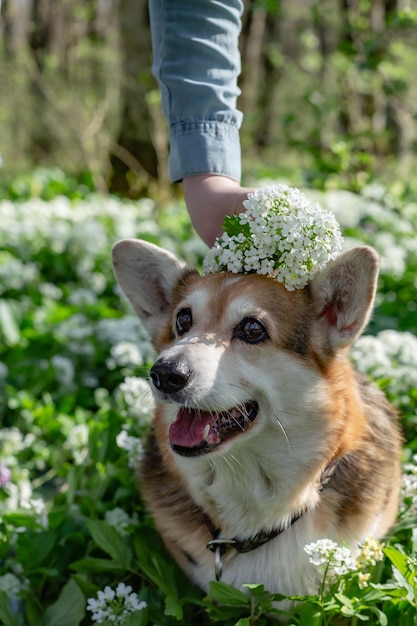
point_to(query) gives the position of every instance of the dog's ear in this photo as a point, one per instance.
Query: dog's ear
(147, 274)
(343, 295)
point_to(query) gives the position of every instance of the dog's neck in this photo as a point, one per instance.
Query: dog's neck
(253, 487)
(219, 544)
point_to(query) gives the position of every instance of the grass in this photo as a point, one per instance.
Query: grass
(75, 404)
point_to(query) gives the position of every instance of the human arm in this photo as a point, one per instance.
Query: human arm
(197, 63)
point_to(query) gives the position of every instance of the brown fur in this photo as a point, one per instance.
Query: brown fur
(348, 423)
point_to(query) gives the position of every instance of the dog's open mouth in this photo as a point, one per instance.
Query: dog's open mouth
(197, 432)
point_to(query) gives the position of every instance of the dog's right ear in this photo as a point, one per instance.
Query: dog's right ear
(343, 296)
(147, 274)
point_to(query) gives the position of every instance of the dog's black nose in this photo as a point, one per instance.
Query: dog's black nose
(169, 377)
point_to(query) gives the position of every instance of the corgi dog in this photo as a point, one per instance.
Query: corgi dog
(264, 438)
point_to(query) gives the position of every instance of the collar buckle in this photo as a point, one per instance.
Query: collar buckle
(219, 547)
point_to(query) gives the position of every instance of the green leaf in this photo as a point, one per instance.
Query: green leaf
(311, 618)
(33, 610)
(232, 226)
(344, 600)
(244, 621)
(227, 594)
(398, 559)
(7, 616)
(158, 569)
(379, 593)
(173, 607)
(97, 565)
(36, 546)
(28, 520)
(257, 590)
(137, 618)
(68, 610)
(109, 540)
(9, 329)
(382, 618)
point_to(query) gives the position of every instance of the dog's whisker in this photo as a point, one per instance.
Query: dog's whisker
(284, 432)
(233, 463)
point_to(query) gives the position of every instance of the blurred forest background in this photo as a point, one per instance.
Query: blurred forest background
(329, 93)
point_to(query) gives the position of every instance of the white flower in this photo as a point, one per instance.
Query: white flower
(335, 560)
(12, 585)
(133, 447)
(321, 551)
(392, 357)
(114, 605)
(38, 506)
(282, 234)
(77, 332)
(119, 519)
(409, 488)
(137, 395)
(363, 579)
(14, 274)
(77, 442)
(370, 552)
(82, 296)
(64, 370)
(124, 354)
(48, 290)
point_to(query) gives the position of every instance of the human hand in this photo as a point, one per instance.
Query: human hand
(209, 198)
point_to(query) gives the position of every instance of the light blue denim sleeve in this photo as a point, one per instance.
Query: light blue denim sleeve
(196, 60)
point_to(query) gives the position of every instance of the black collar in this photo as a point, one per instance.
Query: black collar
(246, 545)
(219, 545)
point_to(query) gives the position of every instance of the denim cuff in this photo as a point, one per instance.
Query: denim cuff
(202, 147)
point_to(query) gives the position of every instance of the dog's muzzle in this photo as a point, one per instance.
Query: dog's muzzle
(197, 430)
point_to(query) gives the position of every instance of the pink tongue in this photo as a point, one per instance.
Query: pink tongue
(188, 428)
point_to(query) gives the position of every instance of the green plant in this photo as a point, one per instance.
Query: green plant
(75, 405)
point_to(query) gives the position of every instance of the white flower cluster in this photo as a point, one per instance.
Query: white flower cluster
(77, 332)
(408, 504)
(14, 274)
(390, 356)
(114, 606)
(124, 354)
(281, 234)
(12, 585)
(124, 331)
(120, 520)
(136, 394)
(328, 555)
(133, 447)
(335, 560)
(81, 227)
(64, 370)
(391, 233)
(15, 484)
(77, 442)
(370, 552)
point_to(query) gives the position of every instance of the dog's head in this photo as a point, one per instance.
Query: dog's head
(237, 352)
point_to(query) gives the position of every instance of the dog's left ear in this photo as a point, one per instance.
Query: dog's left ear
(147, 274)
(343, 295)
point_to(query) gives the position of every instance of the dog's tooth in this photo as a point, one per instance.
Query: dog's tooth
(206, 431)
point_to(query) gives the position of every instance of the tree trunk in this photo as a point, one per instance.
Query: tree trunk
(134, 149)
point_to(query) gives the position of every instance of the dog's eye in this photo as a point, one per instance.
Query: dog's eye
(250, 330)
(184, 321)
